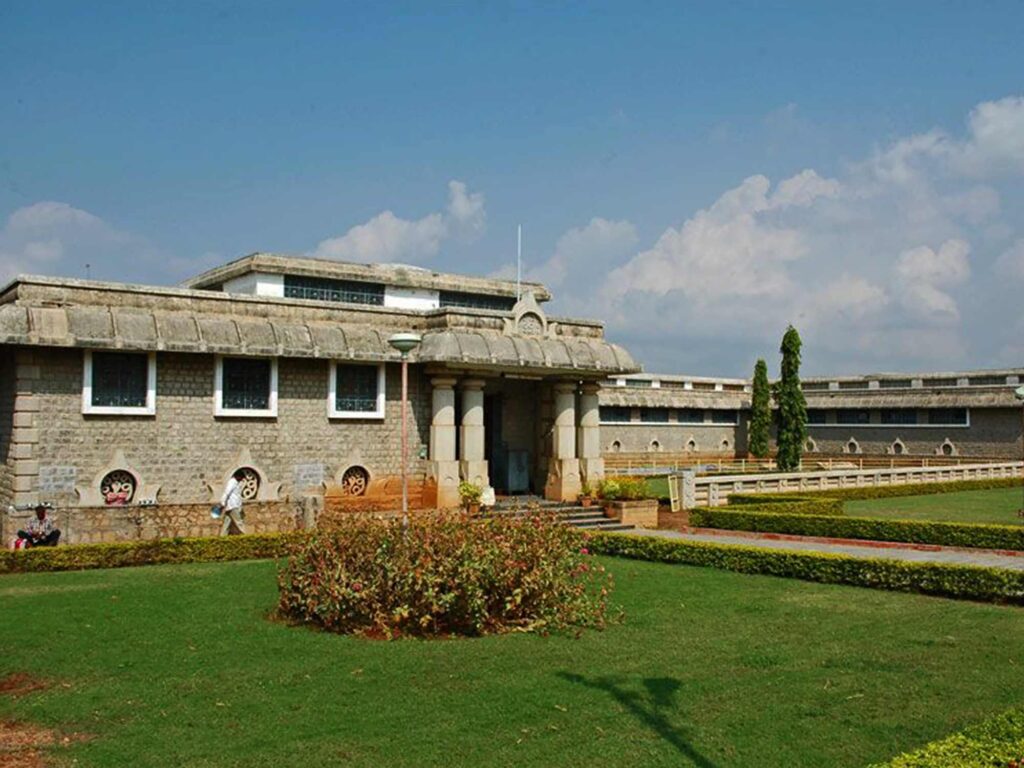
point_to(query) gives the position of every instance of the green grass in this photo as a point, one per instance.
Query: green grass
(180, 666)
(657, 487)
(997, 505)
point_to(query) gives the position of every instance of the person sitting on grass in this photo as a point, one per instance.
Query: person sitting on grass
(40, 531)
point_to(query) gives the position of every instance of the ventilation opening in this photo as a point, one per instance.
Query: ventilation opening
(810, 446)
(691, 445)
(655, 446)
(726, 445)
(853, 447)
(250, 483)
(118, 488)
(616, 446)
(898, 448)
(947, 449)
(355, 481)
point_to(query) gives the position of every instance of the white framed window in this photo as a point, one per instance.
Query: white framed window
(356, 391)
(245, 386)
(119, 383)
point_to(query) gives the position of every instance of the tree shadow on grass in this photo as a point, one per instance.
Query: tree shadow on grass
(648, 706)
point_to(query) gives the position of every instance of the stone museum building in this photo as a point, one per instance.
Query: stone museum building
(114, 394)
(959, 414)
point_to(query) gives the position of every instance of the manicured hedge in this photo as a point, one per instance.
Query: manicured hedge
(764, 520)
(959, 581)
(998, 741)
(786, 504)
(149, 552)
(878, 492)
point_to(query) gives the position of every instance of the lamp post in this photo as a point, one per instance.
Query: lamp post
(405, 343)
(1019, 394)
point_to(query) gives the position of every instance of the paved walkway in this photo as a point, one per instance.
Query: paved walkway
(852, 547)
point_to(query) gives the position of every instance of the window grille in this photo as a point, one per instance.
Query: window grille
(246, 384)
(614, 413)
(853, 416)
(458, 299)
(899, 416)
(119, 379)
(948, 416)
(322, 289)
(356, 388)
(654, 415)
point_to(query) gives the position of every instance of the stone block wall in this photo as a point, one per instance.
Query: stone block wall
(993, 432)
(184, 448)
(708, 439)
(6, 426)
(101, 525)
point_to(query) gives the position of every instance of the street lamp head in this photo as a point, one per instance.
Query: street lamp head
(405, 342)
(1019, 393)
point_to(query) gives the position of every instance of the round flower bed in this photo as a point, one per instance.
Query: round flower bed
(443, 575)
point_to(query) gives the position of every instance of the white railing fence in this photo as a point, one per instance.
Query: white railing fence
(688, 490)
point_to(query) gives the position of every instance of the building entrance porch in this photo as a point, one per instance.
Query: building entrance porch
(515, 435)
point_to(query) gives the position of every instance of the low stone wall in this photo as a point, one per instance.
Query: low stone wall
(688, 491)
(92, 525)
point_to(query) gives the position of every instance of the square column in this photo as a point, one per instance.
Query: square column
(563, 482)
(443, 467)
(588, 435)
(472, 465)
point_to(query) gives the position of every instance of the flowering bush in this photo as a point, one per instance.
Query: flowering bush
(609, 490)
(445, 574)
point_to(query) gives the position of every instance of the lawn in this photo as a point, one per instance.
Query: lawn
(995, 505)
(180, 666)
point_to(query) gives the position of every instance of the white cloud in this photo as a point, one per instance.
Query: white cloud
(585, 252)
(885, 264)
(726, 250)
(56, 238)
(387, 237)
(1011, 261)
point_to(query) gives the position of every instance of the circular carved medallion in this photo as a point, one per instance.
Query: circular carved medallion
(355, 481)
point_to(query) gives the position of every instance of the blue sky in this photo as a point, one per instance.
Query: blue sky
(631, 141)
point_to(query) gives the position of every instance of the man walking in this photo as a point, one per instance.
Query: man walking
(40, 531)
(231, 504)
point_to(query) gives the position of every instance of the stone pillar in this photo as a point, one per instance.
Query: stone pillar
(25, 432)
(472, 465)
(563, 482)
(588, 435)
(444, 469)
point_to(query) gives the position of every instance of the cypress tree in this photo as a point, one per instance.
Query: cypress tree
(792, 406)
(760, 412)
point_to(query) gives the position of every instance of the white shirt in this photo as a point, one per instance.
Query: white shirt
(232, 499)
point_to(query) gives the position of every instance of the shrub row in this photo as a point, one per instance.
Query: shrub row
(766, 520)
(958, 581)
(878, 492)
(998, 741)
(148, 552)
(786, 504)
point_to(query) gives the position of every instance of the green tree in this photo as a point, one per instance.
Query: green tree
(760, 412)
(792, 407)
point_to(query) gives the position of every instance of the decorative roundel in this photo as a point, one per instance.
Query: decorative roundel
(947, 448)
(118, 488)
(655, 446)
(725, 444)
(898, 449)
(691, 445)
(530, 324)
(355, 481)
(616, 446)
(853, 446)
(811, 446)
(250, 484)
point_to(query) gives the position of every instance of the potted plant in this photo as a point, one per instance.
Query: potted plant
(469, 494)
(608, 491)
(586, 495)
